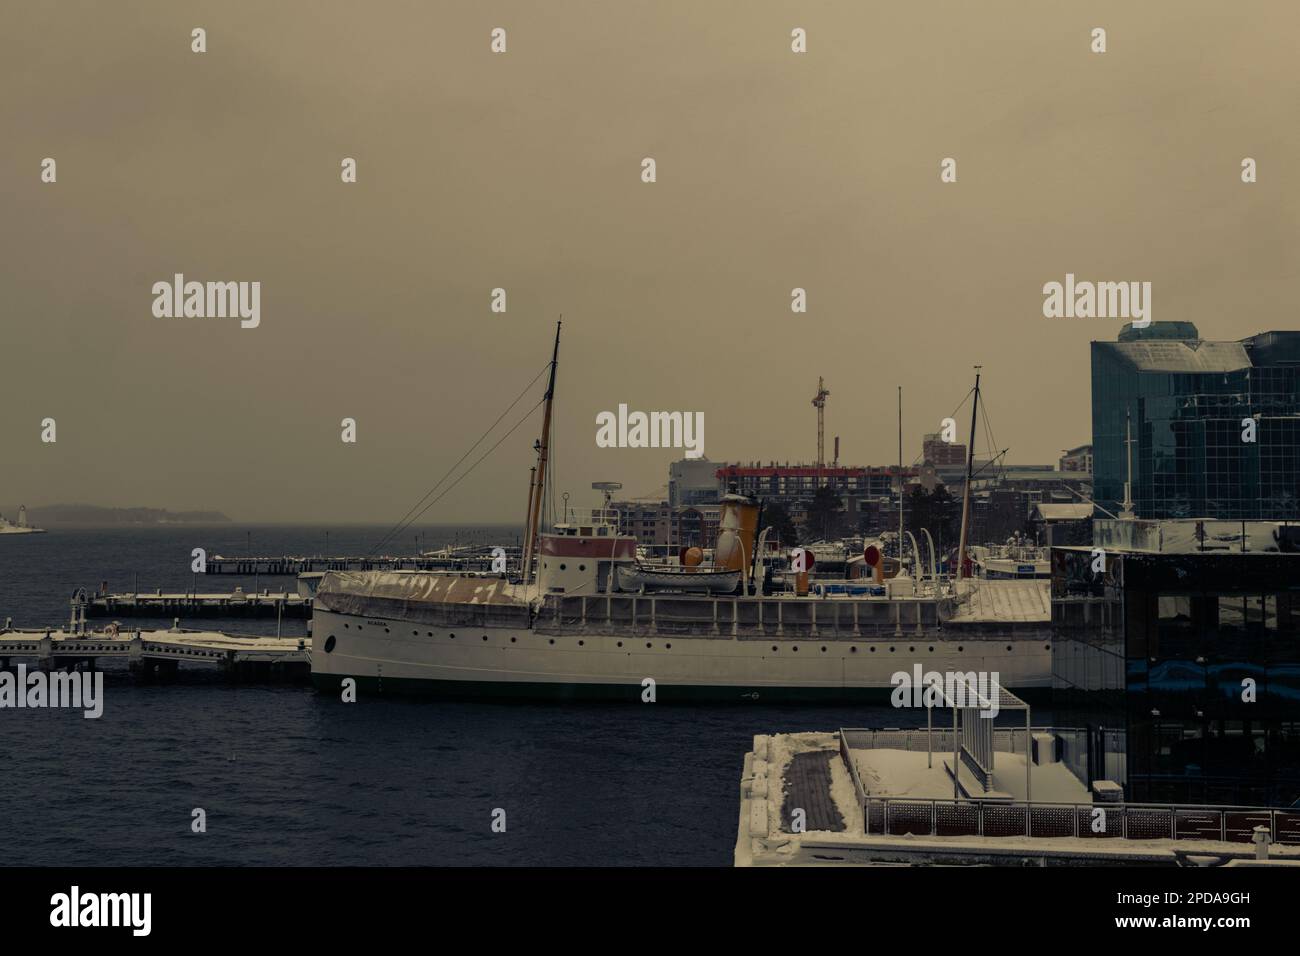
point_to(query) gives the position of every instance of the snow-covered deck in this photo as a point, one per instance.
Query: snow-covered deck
(982, 600)
(909, 773)
(911, 795)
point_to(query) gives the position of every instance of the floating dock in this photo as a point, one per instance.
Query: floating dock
(159, 654)
(237, 603)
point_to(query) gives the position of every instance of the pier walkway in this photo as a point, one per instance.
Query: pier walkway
(479, 559)
(160, 653)
(237, 603)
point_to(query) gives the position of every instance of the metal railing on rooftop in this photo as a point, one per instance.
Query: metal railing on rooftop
(898, 816)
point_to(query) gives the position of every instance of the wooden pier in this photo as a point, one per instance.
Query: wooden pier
(237, 603)
(157, 655)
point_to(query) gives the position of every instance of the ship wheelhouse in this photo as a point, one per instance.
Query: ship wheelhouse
(580, 555)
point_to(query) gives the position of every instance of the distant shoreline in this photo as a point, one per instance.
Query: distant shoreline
(94, 516)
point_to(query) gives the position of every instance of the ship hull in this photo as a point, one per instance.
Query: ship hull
(395, 656)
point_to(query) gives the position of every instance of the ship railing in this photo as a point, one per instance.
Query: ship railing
(729, 616)
(587, 519)
(899, 816)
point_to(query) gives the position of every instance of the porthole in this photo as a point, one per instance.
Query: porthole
(796, 647)
(564, 567)
(669, 646)
(959, 648)
(582, 567)
(552, 640)
(452, 636)
(513, 639)
(415, 633)
(1047, 647)
(347, 625)
(853, 650)
(1008, 647)
(485, 637)
(773, 647)
(911, 650)
(648, 645)
(823, 648)
(931, 648)
(329, 644)
(582, 643)
(386, 630)
(620, 643)
(892, 648)
(431, 633)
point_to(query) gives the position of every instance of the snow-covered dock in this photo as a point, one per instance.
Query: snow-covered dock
(236, 603)
(160, 653)
(447, 559)
(885, 797)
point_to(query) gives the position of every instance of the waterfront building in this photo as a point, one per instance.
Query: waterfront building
(693, 481)
(1185, 668)
(1077, 459)
(1213, 427)
(790, 483)
(942, 454)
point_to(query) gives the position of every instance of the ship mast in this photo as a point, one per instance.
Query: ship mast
(534, 517)
(900, 481)
(970, 468)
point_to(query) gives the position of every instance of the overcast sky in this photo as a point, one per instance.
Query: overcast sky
(523, 171)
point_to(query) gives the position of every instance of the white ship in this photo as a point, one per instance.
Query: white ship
(21, 527)
(563, 628)
(1011, 560)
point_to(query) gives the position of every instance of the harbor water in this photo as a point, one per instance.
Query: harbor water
(289, 776)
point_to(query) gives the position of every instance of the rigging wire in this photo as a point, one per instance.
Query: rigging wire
(465, 474)
(404, 523)
(917, 459)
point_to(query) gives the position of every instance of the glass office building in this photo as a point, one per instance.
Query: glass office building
(1186, 400)
(1185, 668)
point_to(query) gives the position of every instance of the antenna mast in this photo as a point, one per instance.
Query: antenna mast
(900, 480)
(1126, 512)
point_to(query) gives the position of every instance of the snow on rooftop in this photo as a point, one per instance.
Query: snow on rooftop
(1177, 355)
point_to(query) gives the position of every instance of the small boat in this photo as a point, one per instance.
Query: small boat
(22, 527)
(641, 577)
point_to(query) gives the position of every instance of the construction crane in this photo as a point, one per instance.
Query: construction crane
(819, 403)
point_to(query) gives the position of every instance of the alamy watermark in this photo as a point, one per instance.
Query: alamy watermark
(651, 430)
(1099, 300)
(75, 689)
(74, 909)
(955, 688)
(179, 299)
